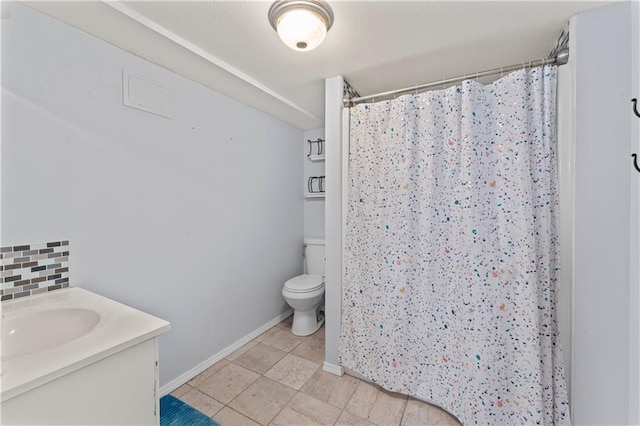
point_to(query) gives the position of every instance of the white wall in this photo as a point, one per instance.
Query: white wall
(566, 175)
(196, 219)
(634, 248)
(334, 171)
(605, 283)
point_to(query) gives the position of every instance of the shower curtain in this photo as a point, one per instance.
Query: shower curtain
(451, 249)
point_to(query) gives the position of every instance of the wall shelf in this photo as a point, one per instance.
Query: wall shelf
(315, 182)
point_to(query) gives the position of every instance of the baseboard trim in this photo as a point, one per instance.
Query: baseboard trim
(184, 378)
(333, 368)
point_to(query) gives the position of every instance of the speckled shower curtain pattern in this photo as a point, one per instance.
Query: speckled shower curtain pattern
(451, 249)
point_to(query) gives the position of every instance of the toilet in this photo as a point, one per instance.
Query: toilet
(305, 292)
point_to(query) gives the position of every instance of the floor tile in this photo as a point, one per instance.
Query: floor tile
(181, 390)
(262, 400)
(260, 358)
(292, 363)
(283, 339)
(332, 389)
(208, 372)
(229, 417)
(202, 402)
(287, 322)
(419, 413)
(268, 333)
(240, 351)
(319, 334)
(348, 419)
(292, 371)
(371, 403)
(306, 410)
(312, 349)
(228, 383)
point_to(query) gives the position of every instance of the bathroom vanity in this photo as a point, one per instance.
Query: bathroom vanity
(76, 358)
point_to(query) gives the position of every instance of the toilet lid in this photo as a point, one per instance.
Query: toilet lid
(304, 283)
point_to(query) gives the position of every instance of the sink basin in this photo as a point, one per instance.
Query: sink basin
(37, 331)
(50, 335)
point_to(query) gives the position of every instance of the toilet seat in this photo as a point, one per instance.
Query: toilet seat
(304, 283)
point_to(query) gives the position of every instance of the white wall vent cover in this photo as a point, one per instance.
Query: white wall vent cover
(145, 95)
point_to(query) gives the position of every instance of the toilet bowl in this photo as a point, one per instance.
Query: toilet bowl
(305, 292)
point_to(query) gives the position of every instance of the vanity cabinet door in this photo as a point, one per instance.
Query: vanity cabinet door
(121, 389)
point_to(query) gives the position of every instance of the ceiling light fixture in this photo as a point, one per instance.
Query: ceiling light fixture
(301, 24)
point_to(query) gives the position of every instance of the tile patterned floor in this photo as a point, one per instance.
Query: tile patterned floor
(277, 379)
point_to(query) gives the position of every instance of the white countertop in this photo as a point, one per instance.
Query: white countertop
(119, 328)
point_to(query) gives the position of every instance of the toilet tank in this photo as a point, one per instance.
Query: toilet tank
(314, 256)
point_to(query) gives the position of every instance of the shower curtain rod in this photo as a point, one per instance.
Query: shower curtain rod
(561, 58)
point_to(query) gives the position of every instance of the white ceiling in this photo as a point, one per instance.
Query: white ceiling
(230, 47)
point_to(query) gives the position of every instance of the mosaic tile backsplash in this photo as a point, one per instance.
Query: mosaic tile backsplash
(30, 269)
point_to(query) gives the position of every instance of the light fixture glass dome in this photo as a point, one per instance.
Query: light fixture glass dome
(301, 24)
(301, 29)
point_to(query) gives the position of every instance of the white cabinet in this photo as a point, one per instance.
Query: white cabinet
(121, 389)
(105, 374)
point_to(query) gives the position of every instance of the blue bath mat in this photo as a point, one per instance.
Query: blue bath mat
(174, 412)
